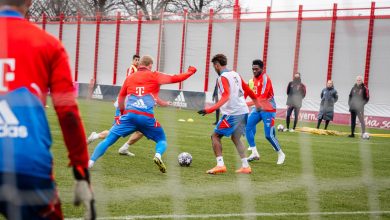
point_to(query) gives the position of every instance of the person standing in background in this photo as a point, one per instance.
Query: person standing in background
(296, 91)
(329, 97)
(134, 65)
(358, 98)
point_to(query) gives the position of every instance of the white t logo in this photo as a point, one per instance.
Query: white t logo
(8, 76)
(140, 90)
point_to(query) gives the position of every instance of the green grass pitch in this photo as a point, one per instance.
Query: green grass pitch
(324, 177)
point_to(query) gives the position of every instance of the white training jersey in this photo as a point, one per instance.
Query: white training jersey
(236, 104)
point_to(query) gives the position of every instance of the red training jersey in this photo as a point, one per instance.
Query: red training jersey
(31, 58)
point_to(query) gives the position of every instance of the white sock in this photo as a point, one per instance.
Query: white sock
(125, 146)
(90, 164)
(158, 155)
(220, 161)
(245, 163)
(280, 151)
(254, 150)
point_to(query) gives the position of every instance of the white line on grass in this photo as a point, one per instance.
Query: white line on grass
(367, 177)
(308, 175)
(254, 214)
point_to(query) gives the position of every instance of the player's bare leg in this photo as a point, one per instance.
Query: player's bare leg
(134, 137)
(217, 147)
(94, 136)
(245, 168)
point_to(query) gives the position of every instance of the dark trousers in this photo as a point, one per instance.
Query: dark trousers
(360, 115)
(296, 113)
(319, 123)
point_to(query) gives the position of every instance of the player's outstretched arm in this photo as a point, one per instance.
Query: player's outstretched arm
(62, 92)
(163, 103)
(222, 101)
(168, 79)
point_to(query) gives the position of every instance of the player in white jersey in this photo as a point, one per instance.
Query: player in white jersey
(233, 91)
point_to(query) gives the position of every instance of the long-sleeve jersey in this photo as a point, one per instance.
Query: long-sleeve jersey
(233, 90)
(140, 90)
(32, 63)
(262, 87)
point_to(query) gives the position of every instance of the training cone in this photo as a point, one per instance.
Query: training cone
(190, 120)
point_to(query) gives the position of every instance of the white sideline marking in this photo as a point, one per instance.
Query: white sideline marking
(255, 214)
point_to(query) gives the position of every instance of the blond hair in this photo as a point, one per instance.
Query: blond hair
(146, 60)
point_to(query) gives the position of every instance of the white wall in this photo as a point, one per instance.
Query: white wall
(313, 60)
(126, 50)
(69, 38)
(349, 57)
(87, 52)
(105, 67)
(280, 64)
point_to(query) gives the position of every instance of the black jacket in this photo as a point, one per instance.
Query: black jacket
(296, 91)
(329, 97)
(358, 97)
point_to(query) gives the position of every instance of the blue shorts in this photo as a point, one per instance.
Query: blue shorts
(148, 126)
(230, 124)
(37, 198)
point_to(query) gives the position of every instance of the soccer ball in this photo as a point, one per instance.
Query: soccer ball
(280, 128)
(184, 159)
(365, 136)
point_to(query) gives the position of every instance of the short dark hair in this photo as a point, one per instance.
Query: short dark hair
(13, 2)
(134, 56)
(219, 58)
(258, 62)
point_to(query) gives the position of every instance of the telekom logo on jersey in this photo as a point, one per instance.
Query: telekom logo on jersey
(6, 76)
(140, 90)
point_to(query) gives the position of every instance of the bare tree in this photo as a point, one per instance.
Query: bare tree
(150, 8)
(198, 9)
(52, 8)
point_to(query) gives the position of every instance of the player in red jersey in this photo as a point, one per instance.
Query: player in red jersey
(134, 65)
(32, 63)
(262, 87)
(137, 113)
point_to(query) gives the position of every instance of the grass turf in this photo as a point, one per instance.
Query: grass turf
(320, 174)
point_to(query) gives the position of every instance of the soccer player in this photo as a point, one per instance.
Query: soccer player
(137, 113)
(134, 65)
(134, 137)
(234, 111)
(263, 89)
(32, 63)
(358, 98)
